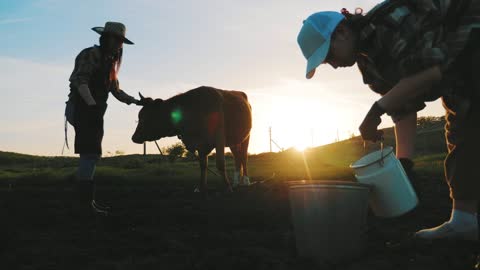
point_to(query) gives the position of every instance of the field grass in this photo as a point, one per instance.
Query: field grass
(324, 162)
(158, 222)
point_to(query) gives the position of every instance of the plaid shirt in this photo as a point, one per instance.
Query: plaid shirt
(92, 70)
(410, 37)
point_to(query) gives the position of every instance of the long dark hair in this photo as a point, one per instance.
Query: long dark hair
(116, 61)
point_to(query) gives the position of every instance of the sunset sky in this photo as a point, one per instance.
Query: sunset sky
(243, 45)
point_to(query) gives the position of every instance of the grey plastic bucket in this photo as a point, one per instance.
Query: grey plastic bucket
(329, 219)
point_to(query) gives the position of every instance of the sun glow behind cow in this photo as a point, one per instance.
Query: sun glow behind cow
(299, 121)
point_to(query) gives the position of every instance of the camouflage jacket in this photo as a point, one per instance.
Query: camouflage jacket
(92, 68)
(404, 37)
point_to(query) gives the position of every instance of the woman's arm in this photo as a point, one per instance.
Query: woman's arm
(86, 95)
(403, 92)
(410, 88)
(86, 63)
(120, 95)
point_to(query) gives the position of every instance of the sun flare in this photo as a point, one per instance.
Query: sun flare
(301, 123)
(300, 147)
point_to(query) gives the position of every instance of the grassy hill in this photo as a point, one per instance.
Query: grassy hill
(325, 162)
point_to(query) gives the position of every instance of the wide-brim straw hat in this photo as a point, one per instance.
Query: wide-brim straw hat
(115, 28)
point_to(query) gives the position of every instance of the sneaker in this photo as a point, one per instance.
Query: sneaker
(99, 208)
(447, 231)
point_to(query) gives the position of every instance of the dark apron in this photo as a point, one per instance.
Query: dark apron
(88, 120)
(89, 128)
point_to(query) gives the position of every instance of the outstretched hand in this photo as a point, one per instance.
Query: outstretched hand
(369, 127)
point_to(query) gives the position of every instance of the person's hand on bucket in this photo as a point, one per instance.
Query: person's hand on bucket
(369, 127)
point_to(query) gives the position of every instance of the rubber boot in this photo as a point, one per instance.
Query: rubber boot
(83, 196)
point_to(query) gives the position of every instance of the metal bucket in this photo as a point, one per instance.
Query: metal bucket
(392, 193)
(329, 218)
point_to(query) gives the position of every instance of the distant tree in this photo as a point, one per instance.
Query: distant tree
(352, 135)
(175, 152)
(430, 122)
(119, 153)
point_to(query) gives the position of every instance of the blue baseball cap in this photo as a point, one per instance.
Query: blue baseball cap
(314, 37)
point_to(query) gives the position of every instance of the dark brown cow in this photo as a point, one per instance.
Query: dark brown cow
(204, 119)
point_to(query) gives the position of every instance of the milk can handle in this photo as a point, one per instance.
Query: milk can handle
(382, 156)
(381, 151)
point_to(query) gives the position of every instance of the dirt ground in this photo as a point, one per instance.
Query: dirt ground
(167, 226)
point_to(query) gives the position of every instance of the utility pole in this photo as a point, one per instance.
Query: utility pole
(312, 136)
(144, 148)
(270, 140)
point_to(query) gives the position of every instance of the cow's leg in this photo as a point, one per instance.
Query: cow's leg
(237, 156)
(244, 158)
(220, 152)
(203, 159)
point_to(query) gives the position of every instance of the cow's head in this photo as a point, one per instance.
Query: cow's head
(153, 121)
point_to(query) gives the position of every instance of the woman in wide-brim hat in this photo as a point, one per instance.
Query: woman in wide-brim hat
(92, 79)
(411, 52)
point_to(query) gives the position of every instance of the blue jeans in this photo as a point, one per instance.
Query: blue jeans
(87, 165)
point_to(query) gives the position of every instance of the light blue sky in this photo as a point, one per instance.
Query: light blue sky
(245, 45)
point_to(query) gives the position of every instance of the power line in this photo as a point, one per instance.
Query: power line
(272, 141)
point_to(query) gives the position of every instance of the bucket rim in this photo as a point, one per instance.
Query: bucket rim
(387, 151)
(326, 183)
